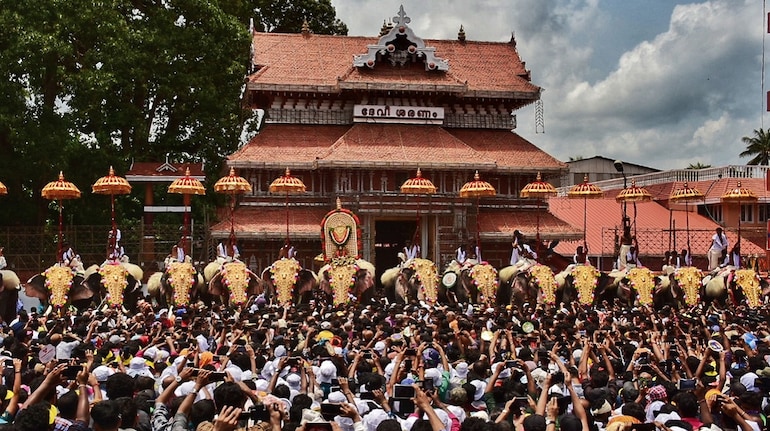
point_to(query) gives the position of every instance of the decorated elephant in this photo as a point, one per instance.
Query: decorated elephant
(9, 295)
(416, 279)
(346, 278)
(177, 285)
(288, 282)
(470, 282)
(736, 286)
(60, 286)
(536, 283)
(233, 281)
(116, 284)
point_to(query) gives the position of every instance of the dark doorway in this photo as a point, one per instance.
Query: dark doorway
(389, 238)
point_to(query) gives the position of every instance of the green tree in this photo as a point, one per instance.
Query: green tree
(757, 147)
(698, 165)
(91, 83)
(287, 16)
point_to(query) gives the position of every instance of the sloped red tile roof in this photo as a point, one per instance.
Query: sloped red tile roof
(604, 216)
(508, 149)
(287, 145)
(502, 224)
(270, 223)
(402, 145)
(150, 169)
(486, 69)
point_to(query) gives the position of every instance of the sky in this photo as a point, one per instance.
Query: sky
(659, 83)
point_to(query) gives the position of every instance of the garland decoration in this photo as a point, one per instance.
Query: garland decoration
(115, 280)
(58, 280)
(585, 278)
(689, 278)
(543, 276)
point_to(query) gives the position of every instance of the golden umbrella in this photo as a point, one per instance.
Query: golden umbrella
(289, 185)
(477, 189)
(232, 185)
(686, 194)
(418, 186)
(538, 190)
(60, 190)
(739, 194)
(585, 191)
(633, 194)
(112, 185)
(186, 186)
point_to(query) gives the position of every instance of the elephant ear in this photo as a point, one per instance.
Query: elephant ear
(80, 289)
(35, 287)
(10, 280)
(215, 285)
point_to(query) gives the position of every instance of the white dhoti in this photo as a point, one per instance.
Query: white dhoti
(715, 256)
(622, 262)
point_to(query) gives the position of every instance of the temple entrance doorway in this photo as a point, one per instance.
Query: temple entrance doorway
(389, 238)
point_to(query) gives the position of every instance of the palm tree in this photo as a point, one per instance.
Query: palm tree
(698, 165)
(757, 147)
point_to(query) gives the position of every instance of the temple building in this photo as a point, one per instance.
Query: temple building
(355, 117)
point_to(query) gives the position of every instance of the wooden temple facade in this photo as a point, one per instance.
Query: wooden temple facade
(355, 117)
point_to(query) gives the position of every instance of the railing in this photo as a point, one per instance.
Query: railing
(679, 175)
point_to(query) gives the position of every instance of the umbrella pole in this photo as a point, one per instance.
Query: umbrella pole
(478, 226)
(287, 218)
(113, 237)
(61, 229)
(687, 221)
(232, 221)
(537, 229)
(585, 223)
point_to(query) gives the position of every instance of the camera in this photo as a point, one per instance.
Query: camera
(403, 391)
(258, 412)
(330, 410)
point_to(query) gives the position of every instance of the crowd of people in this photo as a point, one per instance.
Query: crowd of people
(410, 367)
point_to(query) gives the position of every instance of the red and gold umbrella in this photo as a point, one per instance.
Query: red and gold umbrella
(686, 194)
(112, 185)
(418, 186)
(739, 194)
(477, 189)
(585, 191)
(186, 186)
(633, 194)
(60, 190)
(232, 185)
(290, 186)
(538, 190)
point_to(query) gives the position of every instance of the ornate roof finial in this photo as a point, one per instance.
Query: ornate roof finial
(385, 29)
(401, 18)
(461, 34)
(513, 39)
(339, 203)
(305, 28)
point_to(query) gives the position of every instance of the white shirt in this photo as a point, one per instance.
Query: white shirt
(719, 242)
(221, 252)
(461, 255)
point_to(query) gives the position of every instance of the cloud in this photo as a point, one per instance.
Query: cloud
(661, 90)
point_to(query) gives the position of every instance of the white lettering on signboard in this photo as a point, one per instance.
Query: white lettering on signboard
(398, 114)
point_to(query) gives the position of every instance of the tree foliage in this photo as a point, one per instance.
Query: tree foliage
(757, 147)
(91, 83)
(698, 165)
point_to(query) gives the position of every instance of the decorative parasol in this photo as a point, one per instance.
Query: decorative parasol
(232, 185)
(585, 191)
(3, 189)
(538, 190)
(418, 186)
(186, 186)
(685, 195)
(477, 189)
(112, 185)
(290, 186)
(60, 190)
(633, 194)
(739, 194)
